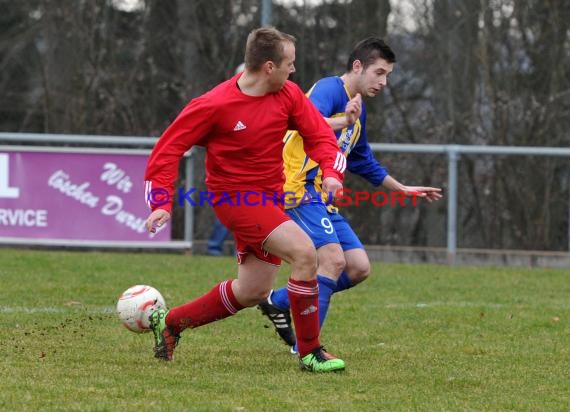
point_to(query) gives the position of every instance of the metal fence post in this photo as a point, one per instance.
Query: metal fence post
(452, 158)
(266, 13)
(568, 186)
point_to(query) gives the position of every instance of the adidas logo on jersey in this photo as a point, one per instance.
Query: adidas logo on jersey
(239, 126)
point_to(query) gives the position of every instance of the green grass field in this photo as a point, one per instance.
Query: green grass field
(414, 337)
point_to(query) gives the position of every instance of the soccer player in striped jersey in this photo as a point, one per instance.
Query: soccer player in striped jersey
(342, 260)
(241, 124)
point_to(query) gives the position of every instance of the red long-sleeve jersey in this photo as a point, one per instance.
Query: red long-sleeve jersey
(243, 137)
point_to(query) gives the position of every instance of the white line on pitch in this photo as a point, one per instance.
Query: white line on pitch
(51, 309)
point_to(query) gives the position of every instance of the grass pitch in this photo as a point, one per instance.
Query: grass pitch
(414, 337)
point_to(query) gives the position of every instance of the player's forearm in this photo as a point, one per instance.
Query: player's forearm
(337, 123)
(392, 184)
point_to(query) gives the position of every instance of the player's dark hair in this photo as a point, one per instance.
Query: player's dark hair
(265, 44)
(368, 51)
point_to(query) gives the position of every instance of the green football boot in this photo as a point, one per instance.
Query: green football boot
(320, 360)
(164, 339)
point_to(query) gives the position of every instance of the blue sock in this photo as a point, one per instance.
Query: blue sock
(280, 299)
(343, 283)
(326, 288)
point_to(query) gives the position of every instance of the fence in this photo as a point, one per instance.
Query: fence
(453, 153)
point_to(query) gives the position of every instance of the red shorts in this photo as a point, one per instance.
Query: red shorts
(251, 225)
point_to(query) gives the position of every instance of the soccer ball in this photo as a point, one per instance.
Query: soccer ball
(135, 306)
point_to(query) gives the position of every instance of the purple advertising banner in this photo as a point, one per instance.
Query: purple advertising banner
(74, 195)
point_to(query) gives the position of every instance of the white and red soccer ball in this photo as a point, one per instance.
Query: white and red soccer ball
(136, 304)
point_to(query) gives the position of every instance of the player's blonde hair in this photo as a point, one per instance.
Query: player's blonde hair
(265, 44)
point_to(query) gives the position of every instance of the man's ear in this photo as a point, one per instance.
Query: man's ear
(357, 66)
(268, 67)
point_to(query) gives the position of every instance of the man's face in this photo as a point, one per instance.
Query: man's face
(281, 73)
(374, 78)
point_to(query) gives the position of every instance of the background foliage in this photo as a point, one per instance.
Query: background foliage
(493, 72)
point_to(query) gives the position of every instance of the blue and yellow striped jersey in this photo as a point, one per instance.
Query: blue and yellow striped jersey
(303, 175)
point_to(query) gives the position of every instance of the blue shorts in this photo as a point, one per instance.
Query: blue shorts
(324, 227)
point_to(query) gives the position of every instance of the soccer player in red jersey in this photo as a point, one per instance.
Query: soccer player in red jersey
(241, 124)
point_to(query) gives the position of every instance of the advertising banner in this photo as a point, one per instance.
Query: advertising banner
(82, 194)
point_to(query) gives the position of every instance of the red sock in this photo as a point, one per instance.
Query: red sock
(218, 303)
(304, 300)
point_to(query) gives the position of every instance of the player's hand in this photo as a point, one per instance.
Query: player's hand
(431, 194)
(353, 109)
(331, 185)
(156, 219)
